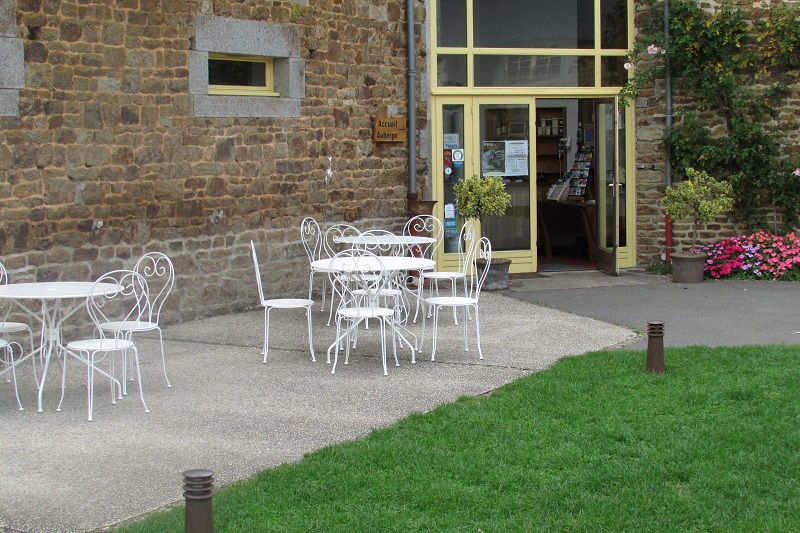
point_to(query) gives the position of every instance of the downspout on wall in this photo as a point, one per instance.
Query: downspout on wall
(668, 127)
(415, 206)
(412, 104)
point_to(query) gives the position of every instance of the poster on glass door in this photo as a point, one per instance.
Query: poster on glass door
(504, 158)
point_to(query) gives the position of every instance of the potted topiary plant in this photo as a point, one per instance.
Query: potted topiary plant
(701, 198)
(478, 198)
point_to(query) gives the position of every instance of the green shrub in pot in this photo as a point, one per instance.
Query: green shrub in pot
(477, 198)
(699, 197)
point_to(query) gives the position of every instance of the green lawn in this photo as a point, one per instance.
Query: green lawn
(593, 443)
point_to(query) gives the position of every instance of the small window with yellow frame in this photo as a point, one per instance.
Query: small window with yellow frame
(240, 75)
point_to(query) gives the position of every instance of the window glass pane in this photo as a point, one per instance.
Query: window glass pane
(534, 23)
(534, 71)
(612, 71)
(505, 152)
(452, 71)
(451, 23)
(241, 73)
(623, 178)
(452, 121)
(614, 24)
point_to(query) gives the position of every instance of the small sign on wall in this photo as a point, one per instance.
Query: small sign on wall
(390, 129)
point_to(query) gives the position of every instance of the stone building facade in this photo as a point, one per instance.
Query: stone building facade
(107, 119)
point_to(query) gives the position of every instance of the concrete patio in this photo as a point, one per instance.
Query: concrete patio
(232, 414)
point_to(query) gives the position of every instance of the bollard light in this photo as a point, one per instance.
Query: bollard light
(655, 347)
(198, 490)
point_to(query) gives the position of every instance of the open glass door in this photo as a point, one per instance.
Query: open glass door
(610, 184)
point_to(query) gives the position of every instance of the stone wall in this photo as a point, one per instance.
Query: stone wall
(106, 132)
(650, 163)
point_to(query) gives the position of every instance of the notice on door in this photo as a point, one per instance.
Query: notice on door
(505, 158)
(390, 129)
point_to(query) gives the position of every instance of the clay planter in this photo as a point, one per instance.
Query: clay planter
(497, 277)
(420, 207)
(688, 268)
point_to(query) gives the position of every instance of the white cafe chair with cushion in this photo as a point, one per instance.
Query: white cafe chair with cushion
(128, 304)
(159, 274)
(280, 303)
(468, 302)
(8, 327)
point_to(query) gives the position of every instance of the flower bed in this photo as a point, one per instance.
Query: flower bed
(758, 256)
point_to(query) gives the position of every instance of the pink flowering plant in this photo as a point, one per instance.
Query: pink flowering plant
(759, 255)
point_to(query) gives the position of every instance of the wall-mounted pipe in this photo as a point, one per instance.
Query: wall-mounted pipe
(668, 126)
(412, 103)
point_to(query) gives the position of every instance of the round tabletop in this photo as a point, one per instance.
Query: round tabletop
(387, 262)
(53, 290)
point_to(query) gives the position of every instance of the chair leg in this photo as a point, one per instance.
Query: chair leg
(9, 349)
(424, 324)
(330, 313)
(420, 294)
(435, 331)
(466, 339)
(163, 357)
(453, 288)
(265, 351)
(64, 380)
(89, 382)
(139, 377)
(394, 343)
(478, 332)
(310, 334)
(339, 337)
(383, 346)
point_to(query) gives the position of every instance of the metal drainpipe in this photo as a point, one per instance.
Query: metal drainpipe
(412, 104)
(668, 127)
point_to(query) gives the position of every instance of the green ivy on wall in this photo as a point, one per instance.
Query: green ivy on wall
(733, 70)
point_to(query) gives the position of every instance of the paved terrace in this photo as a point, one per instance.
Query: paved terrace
(232, 414)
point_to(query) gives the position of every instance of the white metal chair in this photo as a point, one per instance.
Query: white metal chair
(158, 272)
(427, 226)
(312, 242)
(359, 291)
(280, 303)
(469, 301)
(8, 327)
(128, 304)
(333, 243)
(385, 243)
(466, 248)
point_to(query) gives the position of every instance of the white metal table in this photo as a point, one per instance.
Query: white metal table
(59, 301)
(389, 264)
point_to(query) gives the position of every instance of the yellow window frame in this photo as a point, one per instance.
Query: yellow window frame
(239, 90)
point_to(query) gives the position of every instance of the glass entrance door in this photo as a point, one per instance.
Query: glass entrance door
(505, 153)
(486, 137)
(610, 185)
